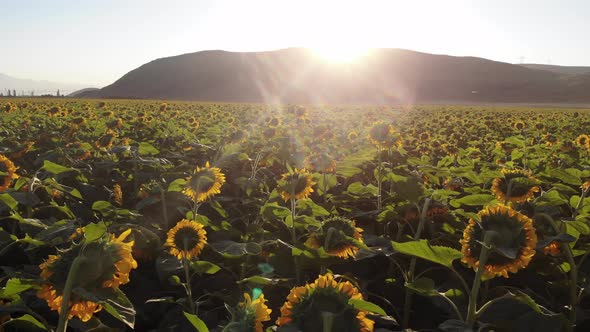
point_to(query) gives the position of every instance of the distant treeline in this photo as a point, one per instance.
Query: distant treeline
(31, 93)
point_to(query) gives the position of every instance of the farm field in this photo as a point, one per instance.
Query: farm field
(145, 215)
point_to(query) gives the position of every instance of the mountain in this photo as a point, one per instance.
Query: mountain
(26, 86)
(297, 75)
(81, 92)
(563, 70)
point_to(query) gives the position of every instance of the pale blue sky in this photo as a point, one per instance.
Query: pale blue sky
(95, 42)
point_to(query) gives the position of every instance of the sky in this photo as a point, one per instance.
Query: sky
(94, 42)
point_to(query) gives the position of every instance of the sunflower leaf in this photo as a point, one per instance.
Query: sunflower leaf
(422, 249)
(196, 322)
(367, 306)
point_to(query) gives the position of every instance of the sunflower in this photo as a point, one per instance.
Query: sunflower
(424, 136)
(513, 243)
(583, 141)
(585, 185)
(105, 266)
(297, 184)
(249, 315)
(352, 135)
(552, 249)
(380, 133)
(7, 172)
(187, 239)
(339, 237)
(306, 306)
(125, 263)
(118, 194)
(204, 183)
(321, 162)
(516, 186)
(519, 125)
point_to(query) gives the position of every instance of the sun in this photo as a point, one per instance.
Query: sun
(340, 53)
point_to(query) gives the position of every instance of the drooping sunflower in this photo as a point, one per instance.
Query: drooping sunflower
(7, 172)
(381, 133)
(187, 239)
(118, 194)
(307, 305)
(585, 186)
(297, 184)
(583, 141)
(105, 264)
(552, 249)
(249, 315)
(352, 135)
(513, 243)
(204, 183)
(336, 236)
(519, 125)
(516, 186)
(321, 162)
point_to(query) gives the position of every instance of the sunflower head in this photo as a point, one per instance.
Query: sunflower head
(519, 125)
(7, 172)
(187, 239)
(338, 236)
(204, 183)
(296, 184)
(249, 315)
(321, 162)
(583, 141)
(104, 265)
(381, 133)
(307, 306)
(513, 241)
(516, 186)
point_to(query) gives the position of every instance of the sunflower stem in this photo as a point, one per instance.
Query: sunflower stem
(164, 211)
(573, 289)
(483, 257)
(327, 321)
(62, 323)
(188, 287)
(409, 295)
(294, 238)
(379, 184)
(580, 203)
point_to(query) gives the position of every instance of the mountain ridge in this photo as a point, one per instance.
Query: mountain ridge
(297, 75)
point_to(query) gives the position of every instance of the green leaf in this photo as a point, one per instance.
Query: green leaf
(260, 280)
(177, 185)
(367, 306)
(16, 286)
(357, 189)
(93, 232)
(423, 286)
(422, 249)
(204, 267)
(196, 322)
(102, 206)
(27, 319)
(9, 201)
(121, 308)
(147, 149)
(472, 200)
(565, 176)
(56, 169)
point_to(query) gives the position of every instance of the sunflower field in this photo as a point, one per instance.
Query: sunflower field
(123, 215)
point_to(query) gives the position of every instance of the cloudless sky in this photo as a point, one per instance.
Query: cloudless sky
(97, 41)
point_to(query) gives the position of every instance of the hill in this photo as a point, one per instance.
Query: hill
(82, 92)
(563, 70)
(26, 86)
(297, 75)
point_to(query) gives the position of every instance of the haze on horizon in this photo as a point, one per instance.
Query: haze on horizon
(96, 42)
